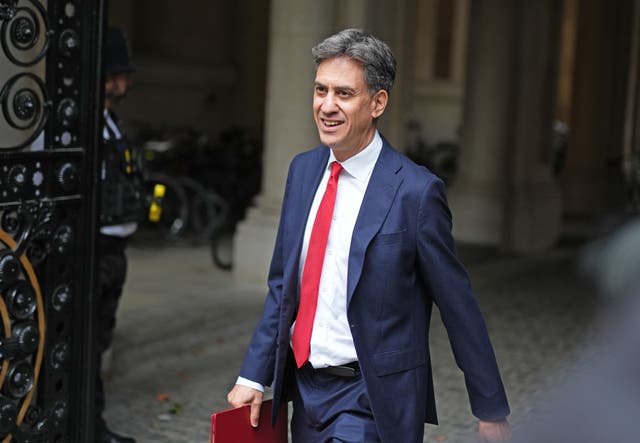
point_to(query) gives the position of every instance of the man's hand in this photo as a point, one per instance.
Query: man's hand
(242, 396)
(494, 431)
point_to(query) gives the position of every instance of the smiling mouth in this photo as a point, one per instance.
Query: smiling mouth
(331, 124)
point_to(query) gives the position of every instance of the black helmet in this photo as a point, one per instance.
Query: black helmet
(118, 59)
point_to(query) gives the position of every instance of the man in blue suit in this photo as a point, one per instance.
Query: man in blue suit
(363, 250)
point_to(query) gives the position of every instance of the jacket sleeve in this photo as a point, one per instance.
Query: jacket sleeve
(449, 285)
(258, 365)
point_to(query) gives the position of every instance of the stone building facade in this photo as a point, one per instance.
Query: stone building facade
(489, 77)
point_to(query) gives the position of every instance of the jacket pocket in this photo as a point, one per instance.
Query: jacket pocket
(389, 238)
(391, 362)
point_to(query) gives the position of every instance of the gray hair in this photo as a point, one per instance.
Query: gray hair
(371, 53)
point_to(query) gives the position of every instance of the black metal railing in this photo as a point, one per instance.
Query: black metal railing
(49, 97)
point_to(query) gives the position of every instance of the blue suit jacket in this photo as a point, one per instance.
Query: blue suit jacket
(402, 259)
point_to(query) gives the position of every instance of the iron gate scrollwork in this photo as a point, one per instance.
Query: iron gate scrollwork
(49, 96)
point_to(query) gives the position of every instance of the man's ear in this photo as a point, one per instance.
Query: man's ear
(379, 103)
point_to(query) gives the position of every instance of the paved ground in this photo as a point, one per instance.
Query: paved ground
(183, 328)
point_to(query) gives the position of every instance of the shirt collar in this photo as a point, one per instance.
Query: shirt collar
(361, 165)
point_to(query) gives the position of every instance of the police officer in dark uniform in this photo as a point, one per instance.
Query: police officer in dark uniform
(121, 208)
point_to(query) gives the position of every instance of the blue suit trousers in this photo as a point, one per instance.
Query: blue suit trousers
(328, 409)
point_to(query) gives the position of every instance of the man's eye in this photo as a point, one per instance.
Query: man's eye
(344, 93)
(320, 90)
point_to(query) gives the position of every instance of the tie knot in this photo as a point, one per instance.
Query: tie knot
(336, 168)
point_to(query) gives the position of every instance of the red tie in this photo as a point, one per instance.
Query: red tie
(313, 268)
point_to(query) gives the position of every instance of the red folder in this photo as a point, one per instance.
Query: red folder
(234, 426)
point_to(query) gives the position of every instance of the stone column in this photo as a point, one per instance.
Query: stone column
(477, 197)
(395, 23)
(505, 194)
(289, 127)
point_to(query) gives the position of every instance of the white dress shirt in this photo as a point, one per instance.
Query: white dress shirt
(331, 340)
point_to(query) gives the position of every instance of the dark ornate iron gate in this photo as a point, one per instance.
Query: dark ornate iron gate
(50, 68)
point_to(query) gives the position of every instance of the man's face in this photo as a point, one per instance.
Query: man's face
(343, 108)
(115, 88)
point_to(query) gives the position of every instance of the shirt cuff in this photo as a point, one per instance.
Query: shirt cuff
(250, 384)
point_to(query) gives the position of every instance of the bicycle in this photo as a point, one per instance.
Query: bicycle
(209, 185)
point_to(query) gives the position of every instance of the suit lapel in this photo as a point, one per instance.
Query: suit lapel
(380, 193)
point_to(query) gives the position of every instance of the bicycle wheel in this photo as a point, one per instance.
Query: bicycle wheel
(207, 209)
(222, 246)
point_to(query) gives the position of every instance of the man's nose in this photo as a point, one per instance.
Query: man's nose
(328, 104)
